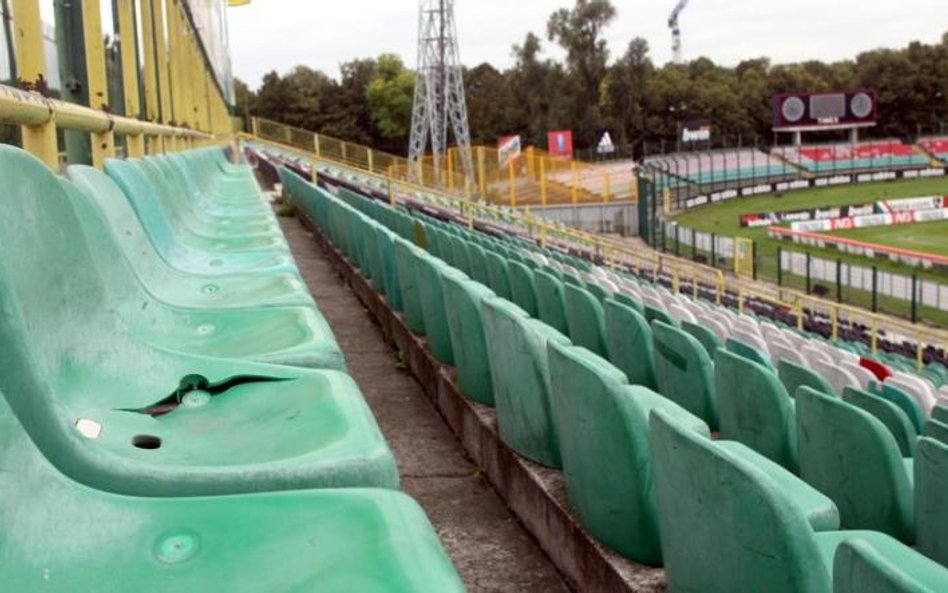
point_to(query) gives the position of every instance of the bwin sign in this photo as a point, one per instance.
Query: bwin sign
(700, 134)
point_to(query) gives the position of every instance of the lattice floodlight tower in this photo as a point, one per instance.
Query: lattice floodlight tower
(439, 91)
(676, 30)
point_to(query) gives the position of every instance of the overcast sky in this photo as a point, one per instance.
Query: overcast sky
(279, 34)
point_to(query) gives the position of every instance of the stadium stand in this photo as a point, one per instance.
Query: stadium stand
(701, 499)
(159, 434)
(936, 146)
(864, 156)
(726, 166)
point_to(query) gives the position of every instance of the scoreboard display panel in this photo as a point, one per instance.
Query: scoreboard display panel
(834, 110)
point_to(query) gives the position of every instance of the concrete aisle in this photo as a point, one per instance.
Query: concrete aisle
(489, 547)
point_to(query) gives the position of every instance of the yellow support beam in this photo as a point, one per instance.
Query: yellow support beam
(135, 145)
(163, 63)
(152, 92)
(103, 143)
(38, 139)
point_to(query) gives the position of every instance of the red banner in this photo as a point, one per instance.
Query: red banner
(560, 143)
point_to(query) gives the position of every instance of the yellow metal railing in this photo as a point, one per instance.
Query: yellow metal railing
(685, 274)
(183, 103)
(532, 179)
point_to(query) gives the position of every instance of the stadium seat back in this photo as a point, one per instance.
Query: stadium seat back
(551, 304)
(754, 408)
(629, 342)
(463, 302)
(886, 412)
(520, 374)
(684, 372)
(522, 287)
(850, 456)
(794, 376)
(406, 257)
(585, 319)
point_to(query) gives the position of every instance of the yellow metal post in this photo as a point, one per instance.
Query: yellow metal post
(315, 137)
(543, 181)
(575, 178)
(370, 159)
(607, 183)
(40, 140)
(874, 335)
(511, 175)
(740, 300)
(164, 69)
(135, 144)
(481, 173)
(800, 315)
(834, 318)
(103, 143)
(694, 288)
(152, 97)
(450, 165)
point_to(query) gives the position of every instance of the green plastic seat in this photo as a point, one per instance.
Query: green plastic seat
(931, 513)
(459, 255)
(598, 291)
(406, 255)
(498, 275)
(684, 373)
(654, 313)
(520, 374)
(60, 535)
(850, 456)
(708, 338)
(572, 280)
(732, 520)
(386, 244)
(905, 402)
(463, 302)
(551, 305)
(936, 430)
(863, 567)
(629, 342)
(478, 259)
(887, 413)
(755, 409)
(295, 335)
(198, 279)
(370, 230)
(138, 182)
(429, 272)
(586, 319)
(794, 376)
(602, 423)
(630, 301)
(523, 290)
(752, 354)
(168, 423)
(940, 413)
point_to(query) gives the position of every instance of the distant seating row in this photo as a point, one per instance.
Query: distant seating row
(175, 412)
(570, 361)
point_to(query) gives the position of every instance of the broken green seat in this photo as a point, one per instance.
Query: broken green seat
(629, 342)
(732, 520)
(197, 280)
(850, 456)
(520, 374)
(463, 304)
(142, 418)
(885, 567)
(889, 414)
(794, 376)
(684, 373)
(755, 409)
(586, 319)
(61, 535)
(602, 423)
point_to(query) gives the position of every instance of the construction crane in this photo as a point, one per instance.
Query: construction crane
(676, 30)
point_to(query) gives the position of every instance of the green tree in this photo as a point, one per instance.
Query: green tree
(390, 95)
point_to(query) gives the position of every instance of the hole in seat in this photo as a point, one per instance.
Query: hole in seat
(146, 441)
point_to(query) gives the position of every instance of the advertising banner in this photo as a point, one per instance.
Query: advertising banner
(508, 148)
(560, 143)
